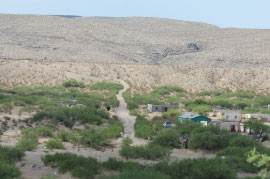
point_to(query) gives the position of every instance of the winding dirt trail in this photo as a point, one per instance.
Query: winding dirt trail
(128, 121)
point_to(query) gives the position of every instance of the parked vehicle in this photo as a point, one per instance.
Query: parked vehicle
(167, 124)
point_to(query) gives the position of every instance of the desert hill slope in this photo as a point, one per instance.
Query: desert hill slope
(131, 40)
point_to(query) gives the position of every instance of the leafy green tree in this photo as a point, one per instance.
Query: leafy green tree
(256, 126)
(261, 161)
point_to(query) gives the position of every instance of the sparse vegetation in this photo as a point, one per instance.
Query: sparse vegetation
(54, 144)
(143, 128)
(73, 83)
(8, 157)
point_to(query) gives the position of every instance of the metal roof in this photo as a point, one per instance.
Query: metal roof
(189, 116)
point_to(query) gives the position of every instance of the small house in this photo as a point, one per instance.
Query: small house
(194, 118)
(157, 108)
(230, 116)
(260, 117)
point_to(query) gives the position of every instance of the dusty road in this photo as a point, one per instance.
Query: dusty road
(128, 121)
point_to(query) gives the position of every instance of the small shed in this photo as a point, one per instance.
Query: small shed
(194, 118)
(174, 105)
(157, 108)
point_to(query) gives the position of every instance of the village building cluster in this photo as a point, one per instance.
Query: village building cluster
(229, 120)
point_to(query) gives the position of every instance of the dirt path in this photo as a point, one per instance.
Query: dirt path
(128, 121)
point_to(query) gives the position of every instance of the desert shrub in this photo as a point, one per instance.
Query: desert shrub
(165, 90)
(256, 126)
(54, 144)
(146, 173)
(235, 158)
(140, 99)
(243, 141)
(114, 130)
(93, 138)
(134, 112)
(262, 100)
(240, 163)
(8, 157)
(8, 171)
(198, 106)
(198, 169)
(143, 128)
(209, 93)
(79, 166)
(202, 109)
(171, 114)
(222, 102)
(63, 135)
(167, 138)
(4, 98)
(250, 110)
(29, 139)
(68, 116)
(7, 107)
(187, 127)
(107, 86)
(48, 176)
(126, 141)
(10, 154)
(27, 144)
(112, 100)
(72, 136)
(113, 164)
(149, 152)
(245, 94)
(73, 83)
(210, 137)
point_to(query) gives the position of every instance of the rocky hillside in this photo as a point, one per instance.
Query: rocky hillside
(131, 40)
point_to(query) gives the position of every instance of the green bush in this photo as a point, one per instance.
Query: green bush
(27, 144)
(107, 86)
(143, 128)
(54, 144)
(126, 141)
(165, 90)
(4, 98)
(202, 109)
(114, 130)
(171, 114)
(210, 137)
(8, 171)
(140, 99)
(209, 93)
(10, 154)
(256, 126)
(243, 141)
(79, 166)
(68, 116)
(73, 83)
(167, 138)
(93, 138)
(149, 152)
(29, 139)
(146, 173)
(240, 163)
(250, 110)
(197, 169)
(8, 157)
(113, 164)
(187, 127)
